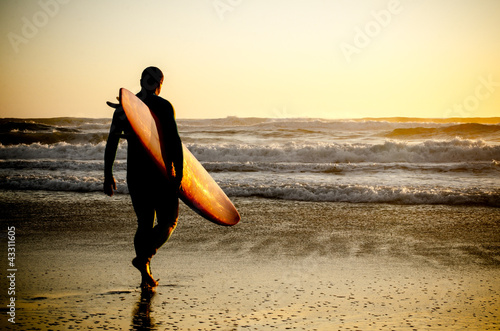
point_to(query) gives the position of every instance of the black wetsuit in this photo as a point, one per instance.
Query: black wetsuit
(151, 193)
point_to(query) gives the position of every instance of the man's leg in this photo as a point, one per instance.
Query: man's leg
(167, 213)
(144, 209)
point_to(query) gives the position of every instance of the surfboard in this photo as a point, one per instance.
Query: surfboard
(198, 189)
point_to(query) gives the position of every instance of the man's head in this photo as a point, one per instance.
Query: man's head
(152, 79)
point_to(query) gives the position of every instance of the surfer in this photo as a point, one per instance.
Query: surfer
(151, 193)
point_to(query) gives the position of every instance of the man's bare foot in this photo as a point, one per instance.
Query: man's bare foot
(147, 277)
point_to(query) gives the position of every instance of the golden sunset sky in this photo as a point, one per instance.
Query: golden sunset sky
(263, 58)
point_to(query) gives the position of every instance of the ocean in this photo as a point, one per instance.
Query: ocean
(369, 224)
(394, 160)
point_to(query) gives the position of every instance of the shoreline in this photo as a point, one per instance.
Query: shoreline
(287, 264)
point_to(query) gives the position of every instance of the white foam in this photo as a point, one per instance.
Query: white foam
(370, 194)
(296, 159)
(64, 151)
(456, 150)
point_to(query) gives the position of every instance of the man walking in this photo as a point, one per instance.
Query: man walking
(151, 193)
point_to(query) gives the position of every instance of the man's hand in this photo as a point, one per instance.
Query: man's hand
(114, 105)
(109, 185)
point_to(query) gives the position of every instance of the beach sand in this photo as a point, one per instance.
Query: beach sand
(286, 266)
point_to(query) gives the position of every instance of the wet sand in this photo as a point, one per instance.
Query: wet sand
(287, 265)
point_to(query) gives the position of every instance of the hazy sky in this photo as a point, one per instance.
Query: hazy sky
(265, 58)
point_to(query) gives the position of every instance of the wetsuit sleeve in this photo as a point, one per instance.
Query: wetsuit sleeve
(115, 131)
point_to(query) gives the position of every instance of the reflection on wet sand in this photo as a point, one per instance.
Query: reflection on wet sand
(141, 319)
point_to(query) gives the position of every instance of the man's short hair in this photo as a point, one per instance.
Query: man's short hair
(151, 77)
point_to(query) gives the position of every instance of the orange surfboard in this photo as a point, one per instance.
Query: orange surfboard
(198, 189)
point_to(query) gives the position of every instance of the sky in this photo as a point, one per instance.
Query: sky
(254, 58)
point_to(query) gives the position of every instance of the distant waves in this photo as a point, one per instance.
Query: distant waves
(469, 130)
(358, 161)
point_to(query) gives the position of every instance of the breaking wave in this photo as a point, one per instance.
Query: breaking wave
(358, 161)
(456, 150)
